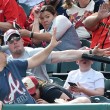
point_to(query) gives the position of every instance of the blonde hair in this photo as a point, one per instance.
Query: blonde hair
(67, 4)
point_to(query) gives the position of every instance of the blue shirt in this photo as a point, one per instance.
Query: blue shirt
(12, 90)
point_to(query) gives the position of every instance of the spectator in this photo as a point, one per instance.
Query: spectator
(18, 51)
(12, 90)
(11, 12)
(77, 13)
(88, 81)
(98, 24)
(47, 92)
(30, 3)
(65, 31)
(57, 4)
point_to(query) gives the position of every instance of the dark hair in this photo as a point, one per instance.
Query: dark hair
(48, 8)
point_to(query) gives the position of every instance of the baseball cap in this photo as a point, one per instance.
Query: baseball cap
(3, 48)
(8, 33)
(31, 83)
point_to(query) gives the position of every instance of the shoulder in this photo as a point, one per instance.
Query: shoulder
(61, 17)
(73, 72)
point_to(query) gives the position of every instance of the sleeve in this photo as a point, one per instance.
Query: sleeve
(36, 50)
(99, 80)
(11, 11)
(62, 24)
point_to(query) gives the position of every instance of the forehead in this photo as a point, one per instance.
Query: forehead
(45, 13)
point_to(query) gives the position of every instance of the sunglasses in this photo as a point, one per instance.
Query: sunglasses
(14, 39)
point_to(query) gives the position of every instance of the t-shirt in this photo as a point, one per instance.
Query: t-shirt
(78, 12)
(39, 71)
(91, 80)
(12, 90)
(65, 32)
(50, 92)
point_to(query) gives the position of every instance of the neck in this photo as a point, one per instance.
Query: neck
(18, 54)
(84, 70)
(83, 4)
(2, 65)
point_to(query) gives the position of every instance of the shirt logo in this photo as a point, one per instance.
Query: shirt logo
(14, 88)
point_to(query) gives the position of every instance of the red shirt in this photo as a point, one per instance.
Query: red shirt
(101, 34)
(10, 11)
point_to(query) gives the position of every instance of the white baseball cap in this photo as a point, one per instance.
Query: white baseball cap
(8, 33)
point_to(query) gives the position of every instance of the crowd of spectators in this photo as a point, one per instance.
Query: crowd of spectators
(51, 33)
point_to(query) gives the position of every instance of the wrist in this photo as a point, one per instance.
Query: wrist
(31, 34)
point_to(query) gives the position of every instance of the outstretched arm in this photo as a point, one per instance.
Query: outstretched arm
(38, 58)
(1, 104)
(73, 55)
(91, 22)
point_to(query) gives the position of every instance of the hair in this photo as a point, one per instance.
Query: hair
(67, 4)
(48, 8)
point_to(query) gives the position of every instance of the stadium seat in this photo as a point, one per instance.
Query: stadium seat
(66, 67)
(51, 68)
(26, 8)
(57, 80)
(85, 42)
(96, 66)
(99, 99)
(107, 87)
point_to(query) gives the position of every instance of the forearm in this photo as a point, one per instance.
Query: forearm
(91, 22)
(67, 55)
(35, 27)
(88, 92)
(4, 26)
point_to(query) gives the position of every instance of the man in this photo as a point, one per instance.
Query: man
(44, 92)
(98, 24)
(18, 51)
(12, 90)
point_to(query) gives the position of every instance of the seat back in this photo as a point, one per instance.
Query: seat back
(57, 80)
(66, 67)
(85, 42)
(51, 68)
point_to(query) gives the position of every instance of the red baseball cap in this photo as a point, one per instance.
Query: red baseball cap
(31, 83)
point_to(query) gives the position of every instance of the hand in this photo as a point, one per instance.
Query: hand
(101, 52)
(103, 11)
(41, 101)
(54, 41)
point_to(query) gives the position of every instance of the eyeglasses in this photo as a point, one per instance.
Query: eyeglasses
(14, 38)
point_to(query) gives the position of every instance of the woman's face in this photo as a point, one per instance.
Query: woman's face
(46, 18)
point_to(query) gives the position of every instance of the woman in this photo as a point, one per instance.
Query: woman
(65, 30)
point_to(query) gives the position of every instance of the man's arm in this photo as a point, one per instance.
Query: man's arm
(38, 58)
(73, 55)
(4, 26)
(91, 22)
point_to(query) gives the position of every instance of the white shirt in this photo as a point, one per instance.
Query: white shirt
(91, 80)
(81, 31)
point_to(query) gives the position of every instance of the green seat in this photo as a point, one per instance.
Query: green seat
(85, 42)
(57, 81)
(51, 68)
(107, 88)
(99, 99)
(66, 67)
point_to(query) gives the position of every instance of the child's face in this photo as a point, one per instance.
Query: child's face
(84, 63)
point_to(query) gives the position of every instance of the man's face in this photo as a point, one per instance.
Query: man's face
(15, 44)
